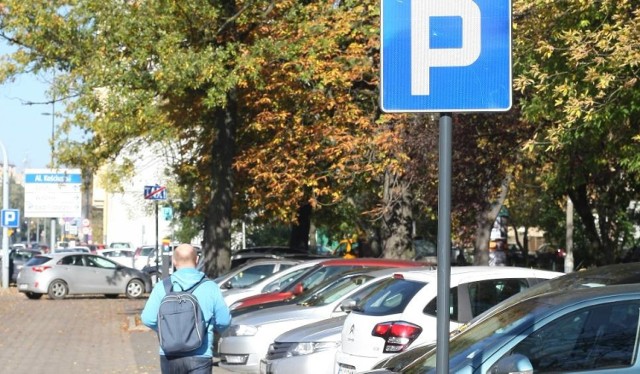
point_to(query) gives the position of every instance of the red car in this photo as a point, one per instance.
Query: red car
(318, 273)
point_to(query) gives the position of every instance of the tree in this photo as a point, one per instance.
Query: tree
(274, 100)
(576, 66)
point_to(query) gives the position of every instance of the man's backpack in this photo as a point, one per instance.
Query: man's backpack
(181, 326)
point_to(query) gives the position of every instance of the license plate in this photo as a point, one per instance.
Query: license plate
(264, 367)
(23, 286)
(342, 369)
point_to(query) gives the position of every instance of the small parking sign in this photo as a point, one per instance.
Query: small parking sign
(10, 218)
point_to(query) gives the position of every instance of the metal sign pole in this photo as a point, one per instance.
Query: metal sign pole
(157, 246)
(444, 244)
(5, 230)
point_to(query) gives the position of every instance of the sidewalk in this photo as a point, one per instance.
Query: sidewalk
(75, 335)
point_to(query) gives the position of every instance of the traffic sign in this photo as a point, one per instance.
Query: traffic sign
(10, 218)
(156, 192)
(446, 55)
(52, 193)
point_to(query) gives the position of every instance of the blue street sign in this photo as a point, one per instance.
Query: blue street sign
(446, 55)
(156, 192)
(10, 218)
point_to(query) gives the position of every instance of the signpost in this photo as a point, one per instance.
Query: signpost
(52, 193)
(445, 56)
(10, 218)
(156, 193)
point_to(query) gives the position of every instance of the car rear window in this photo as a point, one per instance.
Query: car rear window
(37, 260)
(390, 297)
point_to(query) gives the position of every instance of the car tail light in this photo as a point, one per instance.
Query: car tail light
(397, 335)
(40, 269)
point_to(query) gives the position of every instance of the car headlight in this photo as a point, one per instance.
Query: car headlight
(307, 348)
(242, 330)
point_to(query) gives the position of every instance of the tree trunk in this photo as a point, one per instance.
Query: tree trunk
(485, 222)
(584, 210)
(397, 218)
(217, 230)
(300, 230)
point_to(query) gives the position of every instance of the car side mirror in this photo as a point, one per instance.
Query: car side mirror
(515, 363)
(228, 285)
(298, 289)
(347, 305)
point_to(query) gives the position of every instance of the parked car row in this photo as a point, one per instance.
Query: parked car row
(379, 316)
(587, 321)
(345, 315)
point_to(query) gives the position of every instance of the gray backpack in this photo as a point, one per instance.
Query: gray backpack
(181, 326)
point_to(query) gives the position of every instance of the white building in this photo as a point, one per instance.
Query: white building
(126, 215)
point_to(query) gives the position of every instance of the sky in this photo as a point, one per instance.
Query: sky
(24, 129)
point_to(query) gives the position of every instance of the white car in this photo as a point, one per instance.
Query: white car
(271, 283)
(402, 312)
(246, 341)
(307, 349)
(123, 256)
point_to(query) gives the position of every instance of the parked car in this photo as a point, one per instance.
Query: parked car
(120, 245)
(595, 277)
(74, 249)
(241, 256)
(588, 330)
(123, 256)
(141, 255)
(59, 275)
(246, 341)
(306, 349)
(315, 276)
(402, 312)
(253, 272)
(17, 258)
(548, 257)
(271, 283)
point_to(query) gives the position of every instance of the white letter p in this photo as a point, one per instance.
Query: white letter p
(423, 57)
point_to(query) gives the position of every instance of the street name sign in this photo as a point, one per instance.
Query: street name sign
(10, 218)
(52, 193)
(156, 192)
(445, 55)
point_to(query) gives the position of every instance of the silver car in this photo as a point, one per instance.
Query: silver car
(306, 349)
(245, 343)
(62, 274)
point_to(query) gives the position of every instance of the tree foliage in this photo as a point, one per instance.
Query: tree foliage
(577, 69)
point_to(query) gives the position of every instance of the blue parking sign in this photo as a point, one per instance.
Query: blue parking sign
(446, 55)
(10, 218)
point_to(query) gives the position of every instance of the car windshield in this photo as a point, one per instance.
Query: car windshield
(334, 290)
(464, 346)
(283, 281)
(316, 275)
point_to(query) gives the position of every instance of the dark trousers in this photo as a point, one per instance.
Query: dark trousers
(188, 364)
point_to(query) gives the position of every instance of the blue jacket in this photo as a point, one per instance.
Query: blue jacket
(209, 296)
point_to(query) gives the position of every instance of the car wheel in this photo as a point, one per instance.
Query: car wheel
(33, 295)
(58, 289)
(135, 289)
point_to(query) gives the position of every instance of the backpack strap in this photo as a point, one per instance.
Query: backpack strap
(168, 285)
(193, 288)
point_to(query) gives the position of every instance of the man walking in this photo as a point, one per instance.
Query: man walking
(214, 311)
